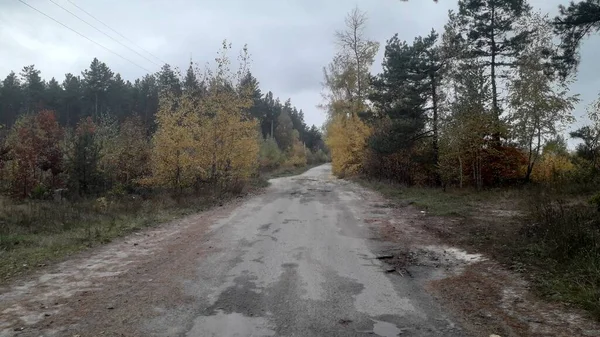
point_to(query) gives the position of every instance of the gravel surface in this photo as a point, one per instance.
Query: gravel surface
(301, 259)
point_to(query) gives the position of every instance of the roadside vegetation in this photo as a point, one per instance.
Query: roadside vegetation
(97, 157)
(471, 124)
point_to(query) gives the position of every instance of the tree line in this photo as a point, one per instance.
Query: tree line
(97, 133)
(483, 103)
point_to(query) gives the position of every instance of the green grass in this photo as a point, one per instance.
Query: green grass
(36, 233)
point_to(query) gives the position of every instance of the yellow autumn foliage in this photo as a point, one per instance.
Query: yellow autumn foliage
(552, 167)
(296, 155)
(347, 137)
(205, 139)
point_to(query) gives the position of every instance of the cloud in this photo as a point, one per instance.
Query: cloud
(290, 41)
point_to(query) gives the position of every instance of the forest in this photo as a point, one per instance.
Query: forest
(96, 157)
(97, 133)
(480, 113)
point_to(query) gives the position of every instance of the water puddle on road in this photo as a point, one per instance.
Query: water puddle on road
(230, 325)
(385, 329)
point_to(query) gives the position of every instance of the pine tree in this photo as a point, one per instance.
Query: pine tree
(96, 82)
(72, 100)
(11, 99)
(573, 24)
(487, 33)
(33, 88)
(53, 96)
(168, 80)
(191, 84)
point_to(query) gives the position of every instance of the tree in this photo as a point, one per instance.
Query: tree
(314, 139)
(211, 142)
(53, 95)
(347, 76)
(284, 133)
(258, 109)
(96, 82)
(34, 142)
(118, 97)
(146, 99)
(83, 158)
(465, 132)
(575, 22)
(168, 80)
(132, 152)
(590, 136)
(406, 91)
(191, 83)
(347, 137)
(358, 52)
(72, 100)
(486, 30)
(174, 144)
(11, 98)
(33, 88)
(346, 83)
(540, 108)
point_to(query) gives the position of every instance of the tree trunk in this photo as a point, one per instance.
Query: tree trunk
(495, 106)
(460, 164)
(96, 111)
(436, 150)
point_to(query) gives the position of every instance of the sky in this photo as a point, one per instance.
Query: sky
(290, 41)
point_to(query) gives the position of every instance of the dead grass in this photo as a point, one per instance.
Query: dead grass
(34, 233)
(551, 238)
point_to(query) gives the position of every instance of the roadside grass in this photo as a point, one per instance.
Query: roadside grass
(552, 238)
(453, 202)
(34, 233)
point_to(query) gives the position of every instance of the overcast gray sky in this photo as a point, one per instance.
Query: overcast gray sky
(290, 41)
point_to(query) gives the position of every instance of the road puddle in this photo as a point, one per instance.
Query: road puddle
(230, 325)
(385, 329)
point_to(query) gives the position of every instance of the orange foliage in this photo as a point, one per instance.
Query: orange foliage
(34, 143)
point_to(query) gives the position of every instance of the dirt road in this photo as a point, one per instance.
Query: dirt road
(300, 259)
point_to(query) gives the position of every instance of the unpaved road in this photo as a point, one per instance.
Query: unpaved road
(299, 259)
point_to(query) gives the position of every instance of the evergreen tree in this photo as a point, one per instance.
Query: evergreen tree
(168, 80)
(72, 100)
(119, 98)
(574, 23)
(96, 82)
(258, 109)
(11, 99)
(53, 96)
(33, 88)
(191, 84)
(146, 98)
(487, 33)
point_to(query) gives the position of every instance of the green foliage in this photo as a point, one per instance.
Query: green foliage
(270, 156)
(83, 159)
(486, 31)
(575, 21)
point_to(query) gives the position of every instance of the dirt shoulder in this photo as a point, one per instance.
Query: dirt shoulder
(488, 295)
(100, 292)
